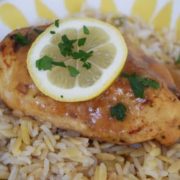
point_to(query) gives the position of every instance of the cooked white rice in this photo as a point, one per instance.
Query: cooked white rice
(30, 150)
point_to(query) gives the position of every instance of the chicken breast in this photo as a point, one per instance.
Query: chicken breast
(157, 116)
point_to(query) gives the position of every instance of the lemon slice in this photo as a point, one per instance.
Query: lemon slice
(107, 60)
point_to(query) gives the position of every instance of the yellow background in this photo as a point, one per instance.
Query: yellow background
(11, 15)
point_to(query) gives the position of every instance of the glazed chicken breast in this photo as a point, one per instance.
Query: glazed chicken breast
(156, 116)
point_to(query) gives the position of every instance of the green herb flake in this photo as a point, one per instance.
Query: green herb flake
(136, 86)
(139, 84)
(87, 65)
(66, 46)
(78, 55)
(46, 63)
(177, 62)
(21, 39)
(60, 64)
(56, 23)
(81, 41)
(150, 83)
(62, 96)
(82, 55)
(52, 32)
(85, 30)
(73, 71)
(118, 111)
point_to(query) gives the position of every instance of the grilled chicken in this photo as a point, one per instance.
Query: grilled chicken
(157, 116)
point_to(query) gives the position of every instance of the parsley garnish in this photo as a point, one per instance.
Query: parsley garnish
(82, 55)
(73, 71)
(46, 63)
(87, 65)
(85, 30)
(62, 96)
(139, 84)
(118, 111)
(150, 83)
(66, 46)
(21, 39)
(52, 32)
(177, 62)
(61, 64)
(81, 41)
(56, 22)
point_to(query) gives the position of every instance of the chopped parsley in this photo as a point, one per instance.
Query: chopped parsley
(52, 32)
(61, 64)
(118, 111)
(85, 30)
(139, 84)
(56, 23)
(177, 62)
(73, 71)
(87, 65)
(136, 86)
(81, 41)
(46, 63)
(149, 83)
(62, 96)
(82, 55)
(21, 39)
(66, 46)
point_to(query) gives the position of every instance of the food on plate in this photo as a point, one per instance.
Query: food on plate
(141, 104)
(30, 149)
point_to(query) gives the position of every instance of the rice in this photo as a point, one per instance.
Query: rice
(69, 157)
(30, 150)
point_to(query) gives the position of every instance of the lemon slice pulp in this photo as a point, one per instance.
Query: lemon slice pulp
(107, 60)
